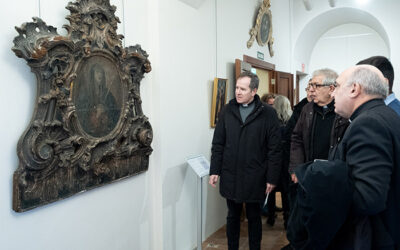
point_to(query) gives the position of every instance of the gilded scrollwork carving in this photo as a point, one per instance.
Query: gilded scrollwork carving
(88, 127)
(262, 29)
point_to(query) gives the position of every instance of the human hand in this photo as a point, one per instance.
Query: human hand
(294, 178)
(269, 188)
(213, 180)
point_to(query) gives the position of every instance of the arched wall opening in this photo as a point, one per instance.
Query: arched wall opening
(321, 24)
(345, 45)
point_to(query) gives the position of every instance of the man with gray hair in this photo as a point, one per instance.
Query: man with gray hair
(317, 131)
(385, 66)
(371, 150)
(318, 128)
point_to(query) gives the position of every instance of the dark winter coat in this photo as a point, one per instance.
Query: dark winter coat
(287, 135)
(246, 155)
(320, 208)
(294, 118)
(371, 149)
(284, 179)
(300, 151)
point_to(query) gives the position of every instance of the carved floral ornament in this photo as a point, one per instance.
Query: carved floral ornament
(88, 128)
(263, 28)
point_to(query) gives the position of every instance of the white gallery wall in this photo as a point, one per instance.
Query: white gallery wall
(187, 46)
(346, 45)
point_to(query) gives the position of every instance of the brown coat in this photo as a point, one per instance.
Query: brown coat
(301, 137)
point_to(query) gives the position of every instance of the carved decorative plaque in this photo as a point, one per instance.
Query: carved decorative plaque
(88, 128)
(263, 28)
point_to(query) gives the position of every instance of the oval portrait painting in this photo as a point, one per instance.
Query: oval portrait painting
(265, 28)
(98, 95)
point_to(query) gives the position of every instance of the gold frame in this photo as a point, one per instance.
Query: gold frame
(216, 107)
(256, 30)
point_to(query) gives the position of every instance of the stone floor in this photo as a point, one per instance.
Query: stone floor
(273, 238)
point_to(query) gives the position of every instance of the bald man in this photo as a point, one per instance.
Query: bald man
(385, 66)
(371, 150)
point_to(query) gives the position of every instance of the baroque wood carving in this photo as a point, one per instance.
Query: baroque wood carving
(263, 28)
(88, 128)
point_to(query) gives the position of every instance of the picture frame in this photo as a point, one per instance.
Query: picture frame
(88, 128)
(262, 29)
(219, 95)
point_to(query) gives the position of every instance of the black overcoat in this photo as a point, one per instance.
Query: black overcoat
(323, 200)
(371, 149)
(246, 155)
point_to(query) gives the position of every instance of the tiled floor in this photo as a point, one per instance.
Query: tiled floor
(273, 238)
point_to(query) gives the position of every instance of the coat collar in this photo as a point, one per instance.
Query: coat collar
(257, 108)
(256, 101)
(331, 107)
(366, 106)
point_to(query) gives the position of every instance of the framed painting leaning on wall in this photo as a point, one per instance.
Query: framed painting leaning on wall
(218, 99)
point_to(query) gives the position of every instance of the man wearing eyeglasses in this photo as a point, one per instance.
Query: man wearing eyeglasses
(318, 129)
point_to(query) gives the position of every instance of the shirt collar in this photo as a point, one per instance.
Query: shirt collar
(390, 98)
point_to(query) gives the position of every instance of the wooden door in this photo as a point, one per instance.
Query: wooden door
(284, 85)
(264, 70)
(265, 81)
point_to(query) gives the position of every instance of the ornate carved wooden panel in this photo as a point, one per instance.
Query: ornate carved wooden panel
(88, 128)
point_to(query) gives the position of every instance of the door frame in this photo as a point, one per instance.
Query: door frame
(273, 76)
(256, 63)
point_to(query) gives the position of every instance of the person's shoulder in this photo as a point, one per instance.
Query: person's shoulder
(299, 106)
(379, 116)
(307, 108)
(308, 105)
(267, 110)
(395, 105)
(231, 104)
(266, 106)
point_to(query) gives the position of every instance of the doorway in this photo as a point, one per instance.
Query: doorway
(271, 81)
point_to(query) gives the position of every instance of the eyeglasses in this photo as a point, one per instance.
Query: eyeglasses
(317, 85)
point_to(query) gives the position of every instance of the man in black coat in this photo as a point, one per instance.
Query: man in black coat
(371, 149)
(317, 131)
(246, 156)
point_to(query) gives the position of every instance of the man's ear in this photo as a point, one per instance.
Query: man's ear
(355, 90)
(254, 92)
